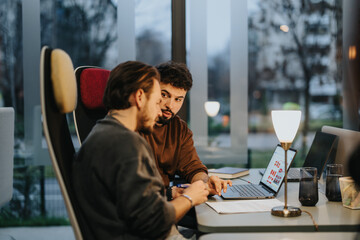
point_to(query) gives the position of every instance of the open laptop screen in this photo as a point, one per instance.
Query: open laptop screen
(321, 151)
(348, 142)
(275, 171)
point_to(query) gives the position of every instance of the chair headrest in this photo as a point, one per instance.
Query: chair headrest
(63, 81)
(92, 86)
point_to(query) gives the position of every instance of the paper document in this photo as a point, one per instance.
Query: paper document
(245, 206)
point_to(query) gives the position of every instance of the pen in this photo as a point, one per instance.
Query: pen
(245, 180)
(182, 185)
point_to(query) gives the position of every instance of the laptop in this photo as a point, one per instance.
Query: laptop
(270, 182)
(349, 140)
(322, 151)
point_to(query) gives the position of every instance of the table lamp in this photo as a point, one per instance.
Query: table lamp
(286, 124)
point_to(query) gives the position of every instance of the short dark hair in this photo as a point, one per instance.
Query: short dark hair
(175, 73)
(125, 79)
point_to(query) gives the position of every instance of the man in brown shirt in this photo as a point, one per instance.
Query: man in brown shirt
(172, 140)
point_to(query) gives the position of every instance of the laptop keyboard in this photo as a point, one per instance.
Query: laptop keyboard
(249, 190)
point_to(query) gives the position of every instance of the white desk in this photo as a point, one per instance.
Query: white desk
(282, 236)
(330, 216)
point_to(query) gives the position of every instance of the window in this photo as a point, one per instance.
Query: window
(294, 63)
(292, 60)
(153, 31)
(251, 56)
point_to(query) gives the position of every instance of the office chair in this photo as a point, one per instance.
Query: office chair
(7, 117)
(92, 82)
(58, 97)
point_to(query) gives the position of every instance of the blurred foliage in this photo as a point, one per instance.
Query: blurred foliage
(260, 159)
(24, 207)
(215, 128)
(49, 172)
(25, 201)
(316, 125)
(257, 159)
(6, 221)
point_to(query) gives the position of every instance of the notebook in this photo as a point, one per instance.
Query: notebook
(349, 140)
(270, 182)
(322, 151)
(228, 172)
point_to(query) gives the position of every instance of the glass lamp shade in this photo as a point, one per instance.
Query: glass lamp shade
(286, 124)
(212, 108)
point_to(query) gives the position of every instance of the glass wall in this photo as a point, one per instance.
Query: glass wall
(294, 54)
(217, 58)
(294, 63)
(12, 95)
(11, 60)
(218, 44)
(153, 31)
(250, 56)
(84, 29)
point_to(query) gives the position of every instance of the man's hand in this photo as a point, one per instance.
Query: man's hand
(215, 185)
(195, 194)
(198, 192)
(176, 192)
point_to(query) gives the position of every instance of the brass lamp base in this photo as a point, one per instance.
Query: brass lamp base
(281, 211)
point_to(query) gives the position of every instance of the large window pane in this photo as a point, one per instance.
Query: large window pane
(294, 63)
(153, 31)
(218, 43)
(220, 27)
(11, 57)
(84, 29)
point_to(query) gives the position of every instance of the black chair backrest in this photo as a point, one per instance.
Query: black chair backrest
(56, 83)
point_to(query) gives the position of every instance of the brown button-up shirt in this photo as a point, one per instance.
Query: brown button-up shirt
(174, 151)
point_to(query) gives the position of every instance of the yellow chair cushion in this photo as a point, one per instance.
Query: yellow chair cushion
(63, 80)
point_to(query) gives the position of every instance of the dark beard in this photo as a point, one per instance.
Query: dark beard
(163, 121)
(143, 127)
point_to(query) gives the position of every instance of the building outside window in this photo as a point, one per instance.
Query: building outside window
(294, 61)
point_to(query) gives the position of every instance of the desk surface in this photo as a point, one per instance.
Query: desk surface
(281, 236)
(330, 216)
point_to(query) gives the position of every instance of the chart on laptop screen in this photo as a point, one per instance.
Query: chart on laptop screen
(275, 171)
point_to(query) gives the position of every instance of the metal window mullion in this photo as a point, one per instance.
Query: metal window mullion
(239, 78)
(199, 69)
(31, 63)
(126, 30)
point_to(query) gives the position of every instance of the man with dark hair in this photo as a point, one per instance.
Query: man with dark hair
(115, 178)
(172, 140)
